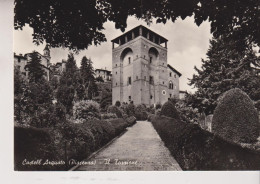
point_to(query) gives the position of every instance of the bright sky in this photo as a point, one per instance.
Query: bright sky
(187, 44)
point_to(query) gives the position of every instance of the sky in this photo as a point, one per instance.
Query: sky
(187, 45)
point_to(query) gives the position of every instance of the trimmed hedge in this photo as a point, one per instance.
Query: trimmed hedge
(235, 118)
(169, 110)
(115, 110)
(197, 149)
(79, 139)
(141, 112)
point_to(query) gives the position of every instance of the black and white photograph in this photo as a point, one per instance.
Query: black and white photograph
(136, 85)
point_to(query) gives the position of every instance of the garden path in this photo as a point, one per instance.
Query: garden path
(140, 148)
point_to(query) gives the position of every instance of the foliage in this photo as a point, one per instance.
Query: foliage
(141, 112)
(197, 149)
(169, 110)
(158, 106)
(235, 118)
(66, 92)
(86, 110)
(105, 102)
(108, 116)
(87, 17)
(35, 68)
(128, 109)
(227, 67)
(130, 120)
(118, 104)
(115, 110)
(99, 79)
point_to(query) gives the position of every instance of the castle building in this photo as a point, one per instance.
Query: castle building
(104, 73)
(21, 61)
(140, 70)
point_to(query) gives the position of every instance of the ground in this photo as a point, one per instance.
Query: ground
(140, 148)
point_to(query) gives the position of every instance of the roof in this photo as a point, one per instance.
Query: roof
(19, 56)
(103, 70)
(183, 92)
(136, 29)
(174, 70)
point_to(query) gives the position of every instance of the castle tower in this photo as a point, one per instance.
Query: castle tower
(46, 53)
(139, 67)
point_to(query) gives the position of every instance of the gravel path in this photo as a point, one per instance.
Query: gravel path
(140, 148)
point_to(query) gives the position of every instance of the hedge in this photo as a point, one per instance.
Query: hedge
(197, 149)
(169, 110)
(80, 141)
(235, 117)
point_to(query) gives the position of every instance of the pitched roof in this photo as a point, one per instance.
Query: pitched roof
(174, 70)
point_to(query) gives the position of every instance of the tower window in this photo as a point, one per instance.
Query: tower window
(129, 98)
(151, 59)
(129, 60)
(116, 72)
(170, 95)
(151, 97)
(170, 74)
(163, 82)
(116, 65)
(144, 77)
(129, 81)
(174, 75)
(136, 77)
(151, 81)
(144, 56)
(116, 84)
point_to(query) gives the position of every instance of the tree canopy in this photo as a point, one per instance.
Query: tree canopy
(226, 67)
(79, 23)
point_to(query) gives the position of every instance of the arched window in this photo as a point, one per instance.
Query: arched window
(170, 85)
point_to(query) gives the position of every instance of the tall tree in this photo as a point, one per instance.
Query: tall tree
(35, 68)
(226, 67)
(86, 17)
(66, 92)
(87, 74)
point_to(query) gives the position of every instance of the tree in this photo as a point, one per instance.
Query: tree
(87, 17)
(225, 68)
(35, 68)
(66, 92)
(88, 79)
(99, 79)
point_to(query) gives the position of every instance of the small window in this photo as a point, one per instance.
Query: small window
(116, 84)
(170, 74)
(144, 56)
(116, 65)
(163, 82)
(129, 98)
(144, 77)
(129, 60)
(151, 80)
(170, 95)
(174, 75)
(116, 72)
(151, 59)
(151, 97)
(136, 77)
(129, 81)
(163, 64)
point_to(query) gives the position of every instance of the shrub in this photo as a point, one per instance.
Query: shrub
(128, 109)
(140, 112)
(235, 117)
(118, 104)
(169, 110)
(131, 120)
(86, 109)
(257, 105)
(197, 149)
(158, 106)
(115, 110)
(108, 116)
(119, 125)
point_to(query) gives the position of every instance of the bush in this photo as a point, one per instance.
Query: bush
(235, 117)
(131, 120)
(85, 110)
(158, 106)
(108, 116)
(119, 125)
(197, 149)
(118, 104)
(115, 110)
(140, 112)
(169, 110)
(128, 109)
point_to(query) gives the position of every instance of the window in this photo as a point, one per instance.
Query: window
(129, 60)
(116, 72)
(116, 65)
(170, 95)
(151, 59)
(129, 98)
(129, 82)
(163, 82)
(151, 97)
(174, 75)
(170, 85)
(116, 84)
(170, 74)
(144, 56)
(144, 77)
(136, 77)
(151, 80)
